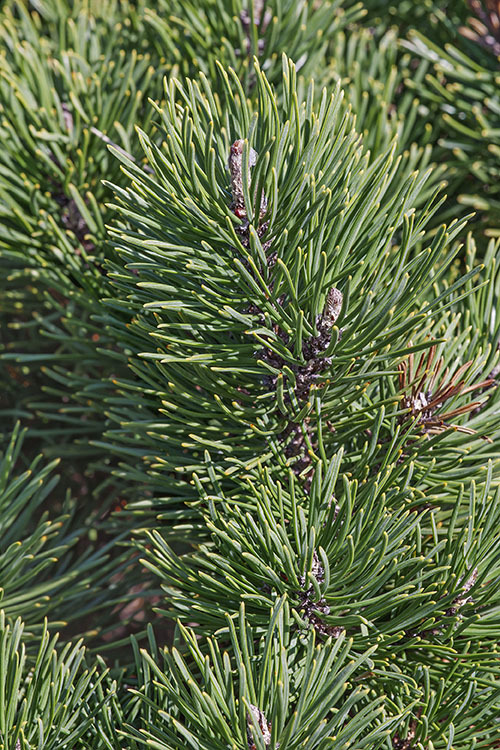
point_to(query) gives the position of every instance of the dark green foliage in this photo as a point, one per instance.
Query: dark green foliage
(261, 346)
(304, 235)
(49, 700)
(430, 15)
(465, 84)
(321, 551)
(349, 565)
(197, 35)
(54, 561)
(374, 77)
(238, 375)
(273, 687)
(404, 507)
(63, 97)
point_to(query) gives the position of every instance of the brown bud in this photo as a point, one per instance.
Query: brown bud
(236, 170)
(316, 569)
(235, 165)
(471, 580)
(461, 600)
(333, 306)
(264, 725)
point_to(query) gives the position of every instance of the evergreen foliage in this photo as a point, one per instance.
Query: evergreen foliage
(51, 565)
(264, 696)
(47, 701)
(465, 84)
(249, 449)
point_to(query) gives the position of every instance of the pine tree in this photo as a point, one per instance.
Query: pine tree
(265, 370)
